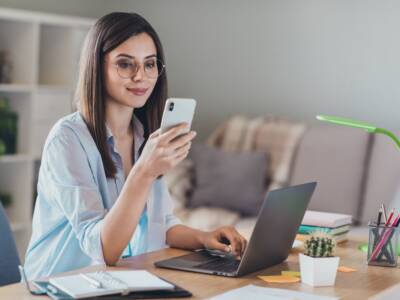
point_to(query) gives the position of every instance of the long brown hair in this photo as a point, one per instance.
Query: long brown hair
(106, 34)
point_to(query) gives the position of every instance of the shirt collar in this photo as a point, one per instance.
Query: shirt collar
(138, 133)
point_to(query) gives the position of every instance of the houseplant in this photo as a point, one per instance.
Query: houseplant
(318, 266)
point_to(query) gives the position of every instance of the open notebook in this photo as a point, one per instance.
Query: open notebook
(106, 283)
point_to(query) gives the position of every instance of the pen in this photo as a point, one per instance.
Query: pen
(390, 217)
(379, 217)
(385, 236)
(91, 280)
(384, 212)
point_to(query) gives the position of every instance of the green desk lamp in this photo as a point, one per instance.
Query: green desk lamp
(369, 128)
(358, 124)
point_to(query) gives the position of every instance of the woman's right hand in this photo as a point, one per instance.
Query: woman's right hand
(164, 151)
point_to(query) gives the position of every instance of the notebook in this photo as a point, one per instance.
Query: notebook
(318, 218)
(111, 282)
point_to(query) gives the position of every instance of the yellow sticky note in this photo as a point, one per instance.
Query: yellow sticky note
(290, 273)
(344, 269)
(279, 279)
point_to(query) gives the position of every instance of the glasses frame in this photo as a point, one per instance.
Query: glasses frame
(141, 66)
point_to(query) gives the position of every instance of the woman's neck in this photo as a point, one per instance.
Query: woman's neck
(119, 119)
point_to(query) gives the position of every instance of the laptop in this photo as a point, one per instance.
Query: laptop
(277, 223)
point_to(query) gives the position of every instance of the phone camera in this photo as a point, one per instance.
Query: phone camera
(171, 106)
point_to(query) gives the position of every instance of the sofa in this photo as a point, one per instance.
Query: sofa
(356, 171)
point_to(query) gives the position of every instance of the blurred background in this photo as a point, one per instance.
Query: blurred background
(282, 58)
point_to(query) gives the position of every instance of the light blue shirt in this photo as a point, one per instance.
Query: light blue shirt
(74, 195)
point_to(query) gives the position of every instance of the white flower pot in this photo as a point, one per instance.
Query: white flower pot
(318, 271)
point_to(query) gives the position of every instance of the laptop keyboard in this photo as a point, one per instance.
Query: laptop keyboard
(221, 264)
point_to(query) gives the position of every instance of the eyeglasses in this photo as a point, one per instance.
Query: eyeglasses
(128, 68)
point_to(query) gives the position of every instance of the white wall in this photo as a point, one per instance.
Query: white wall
(284, 57)
(281, 57)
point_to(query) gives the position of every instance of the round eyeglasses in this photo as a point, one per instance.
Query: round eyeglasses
(128, 68)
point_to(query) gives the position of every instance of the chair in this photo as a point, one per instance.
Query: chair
(9, 259)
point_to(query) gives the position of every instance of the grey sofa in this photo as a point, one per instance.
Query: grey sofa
(355, 171)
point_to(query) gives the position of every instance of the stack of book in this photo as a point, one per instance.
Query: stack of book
(337, 225)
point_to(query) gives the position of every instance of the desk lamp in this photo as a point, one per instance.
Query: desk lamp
(363, 125)
(359, 124)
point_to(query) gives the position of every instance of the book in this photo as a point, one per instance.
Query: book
(109, 282)
(324, 219)
(307, 229)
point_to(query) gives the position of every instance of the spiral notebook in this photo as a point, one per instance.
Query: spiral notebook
(109, 282)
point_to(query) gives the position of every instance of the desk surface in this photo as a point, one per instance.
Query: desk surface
(367, 281)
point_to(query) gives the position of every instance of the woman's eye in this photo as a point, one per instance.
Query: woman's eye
(150, 65)
(124, 65)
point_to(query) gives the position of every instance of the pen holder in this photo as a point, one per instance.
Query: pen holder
(382, 245)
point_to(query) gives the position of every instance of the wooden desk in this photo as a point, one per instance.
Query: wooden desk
(367, 281)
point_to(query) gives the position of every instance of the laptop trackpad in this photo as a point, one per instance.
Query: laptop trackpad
(192, 259)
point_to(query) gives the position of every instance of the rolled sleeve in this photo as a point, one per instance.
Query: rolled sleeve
(74, 191)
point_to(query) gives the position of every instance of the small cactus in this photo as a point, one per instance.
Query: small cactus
(319, 245)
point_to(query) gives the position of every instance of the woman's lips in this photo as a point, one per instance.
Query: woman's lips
(138, 91)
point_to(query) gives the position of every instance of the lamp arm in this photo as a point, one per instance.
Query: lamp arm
(389, 134)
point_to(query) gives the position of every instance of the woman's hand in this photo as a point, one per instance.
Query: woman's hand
(226, 239)
(164, 151)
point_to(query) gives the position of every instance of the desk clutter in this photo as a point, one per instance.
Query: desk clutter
(383, 242)
(336, 225)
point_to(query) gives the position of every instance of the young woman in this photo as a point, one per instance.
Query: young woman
(101, 195)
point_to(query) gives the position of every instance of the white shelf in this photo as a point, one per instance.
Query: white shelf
(44, 51)
(16, 88)
(16, 158)
(55, 88)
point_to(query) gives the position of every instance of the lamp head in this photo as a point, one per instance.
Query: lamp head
(348, 122)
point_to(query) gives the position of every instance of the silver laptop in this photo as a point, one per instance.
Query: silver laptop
(277, 223)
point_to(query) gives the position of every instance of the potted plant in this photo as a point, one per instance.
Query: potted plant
(318, 266)
(6, 201)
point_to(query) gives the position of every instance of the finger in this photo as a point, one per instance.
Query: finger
(183, 148)
(232, 240)
(240, 239)
(180, 141)
(179, 158)
(243, 243)
(181, 151)
(172, 133)
(155, 133)
(217, 245)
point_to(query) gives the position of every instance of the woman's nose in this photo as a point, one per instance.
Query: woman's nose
(139, 75)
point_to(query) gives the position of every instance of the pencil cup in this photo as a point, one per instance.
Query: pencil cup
(382, 245)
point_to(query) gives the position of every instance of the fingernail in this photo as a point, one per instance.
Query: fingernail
(228, 249)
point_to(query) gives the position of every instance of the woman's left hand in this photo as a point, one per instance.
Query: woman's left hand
(225, 239)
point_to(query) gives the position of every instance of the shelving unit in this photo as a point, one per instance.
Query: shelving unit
(44, 51)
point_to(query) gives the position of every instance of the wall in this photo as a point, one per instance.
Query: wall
(280, 57)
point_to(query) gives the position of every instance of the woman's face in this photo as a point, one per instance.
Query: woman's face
(129, 71)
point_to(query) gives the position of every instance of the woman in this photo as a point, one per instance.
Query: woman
(101, 195)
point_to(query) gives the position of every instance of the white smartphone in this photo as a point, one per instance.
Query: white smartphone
(177, 111)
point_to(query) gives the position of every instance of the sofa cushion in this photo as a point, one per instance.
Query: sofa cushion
(230, 180)
(334, 156)
(382, 177)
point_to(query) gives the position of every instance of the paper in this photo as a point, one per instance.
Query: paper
(280, 279)
(254, 292)
(291, 273)
(297, 244)
(344, 269)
